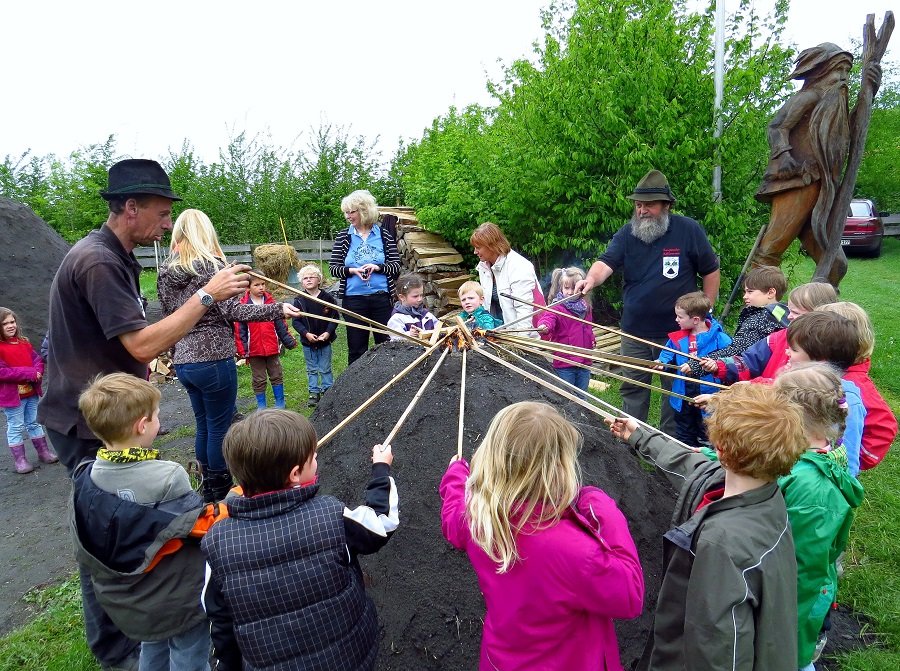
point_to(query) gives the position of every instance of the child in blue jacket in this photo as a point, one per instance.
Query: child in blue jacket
(698, 335)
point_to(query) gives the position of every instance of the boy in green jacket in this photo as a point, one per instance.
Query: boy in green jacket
(728, 598)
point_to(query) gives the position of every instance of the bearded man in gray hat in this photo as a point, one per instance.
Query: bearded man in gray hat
(98, 326)
(661, 255)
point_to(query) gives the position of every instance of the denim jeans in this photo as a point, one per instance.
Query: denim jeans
(212, 388)
(188, 651)
(21, 420)
(318, 363)
(580, 377)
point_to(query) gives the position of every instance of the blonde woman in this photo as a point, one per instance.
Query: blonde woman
(366, 261)
(555, 561)
(204, 358)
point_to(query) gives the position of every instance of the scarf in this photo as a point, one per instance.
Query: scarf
(129, 455)
(577, 306)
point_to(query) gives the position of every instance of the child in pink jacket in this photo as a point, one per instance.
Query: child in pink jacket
(568, 331)
(555, 561)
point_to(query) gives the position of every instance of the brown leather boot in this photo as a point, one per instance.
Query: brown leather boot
(22, 465)
(44, 451)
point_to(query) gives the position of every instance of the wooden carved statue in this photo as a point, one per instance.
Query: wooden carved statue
(816, 147)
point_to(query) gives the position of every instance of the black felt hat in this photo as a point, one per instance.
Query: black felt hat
(653, 186)
(138, 176)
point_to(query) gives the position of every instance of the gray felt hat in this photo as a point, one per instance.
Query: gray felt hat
(653, 186)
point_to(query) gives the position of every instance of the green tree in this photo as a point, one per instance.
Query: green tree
(615, 88)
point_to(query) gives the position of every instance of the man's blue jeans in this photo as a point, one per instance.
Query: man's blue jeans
(212, 388)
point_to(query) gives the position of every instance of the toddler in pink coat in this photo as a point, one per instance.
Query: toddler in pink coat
(567, 325)
(555, 561)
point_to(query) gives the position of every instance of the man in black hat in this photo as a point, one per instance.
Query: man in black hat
(661, 256)
(98, 326)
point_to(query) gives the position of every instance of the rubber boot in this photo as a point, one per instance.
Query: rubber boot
(44, 451)
(261, 401)
(22, 465)
(278, 392)
(219, 483)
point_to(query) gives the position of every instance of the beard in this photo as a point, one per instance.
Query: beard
(649, 229)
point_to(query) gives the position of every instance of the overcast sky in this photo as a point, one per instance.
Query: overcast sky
(156, 73)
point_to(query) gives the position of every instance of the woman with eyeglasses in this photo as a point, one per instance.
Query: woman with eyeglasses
(366, 261)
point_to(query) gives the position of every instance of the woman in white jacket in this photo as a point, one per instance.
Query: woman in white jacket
(503, 271)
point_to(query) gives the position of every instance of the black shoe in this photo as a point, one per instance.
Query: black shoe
(236, 417)
(313, 400)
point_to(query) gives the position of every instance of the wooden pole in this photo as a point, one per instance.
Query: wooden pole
(598, 355)
(605, 328)
(562, 392)
(462, 407)
(561, 347)
(622, 413)
(339, 308)
(324, 440)
(412, 403)
(365, 327)
(502, 327)
(283, 231)
(615, 376)
(740, 278)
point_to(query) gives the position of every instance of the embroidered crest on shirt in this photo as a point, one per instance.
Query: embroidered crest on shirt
(670, 263)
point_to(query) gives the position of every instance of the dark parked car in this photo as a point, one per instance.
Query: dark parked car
(864, 230)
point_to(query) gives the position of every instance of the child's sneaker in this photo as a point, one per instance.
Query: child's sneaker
(820, 646)
(313, 400)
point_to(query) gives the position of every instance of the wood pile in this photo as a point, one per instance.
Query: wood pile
(607, 342)
(431, 256)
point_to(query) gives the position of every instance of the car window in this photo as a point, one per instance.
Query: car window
(859, 210)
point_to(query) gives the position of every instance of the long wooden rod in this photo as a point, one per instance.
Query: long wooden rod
(365, 327)
(557, 347)
(462, 407)
(622, 413)
(529, 316)
(324, 440)
(615, 376)
(415, 399)
(562, 392)
(339, 308)
(605, 328)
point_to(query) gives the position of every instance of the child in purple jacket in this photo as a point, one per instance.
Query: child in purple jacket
(556, 328)
(555, 561)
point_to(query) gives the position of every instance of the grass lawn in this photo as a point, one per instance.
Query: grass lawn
(871, 584)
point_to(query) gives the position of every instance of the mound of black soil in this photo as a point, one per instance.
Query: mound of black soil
(427, 595)
(30, 253)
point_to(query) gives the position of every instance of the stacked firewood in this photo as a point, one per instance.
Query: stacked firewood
(431, 256)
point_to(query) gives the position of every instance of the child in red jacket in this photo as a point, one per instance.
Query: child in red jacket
(880, 425)
(260, 343)
(21, 370)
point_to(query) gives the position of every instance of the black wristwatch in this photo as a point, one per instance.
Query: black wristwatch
(206, 299)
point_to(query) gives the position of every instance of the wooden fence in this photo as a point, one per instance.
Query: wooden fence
(308, 250)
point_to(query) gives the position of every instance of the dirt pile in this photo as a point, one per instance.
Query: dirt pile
(30, 253)
(426, 592)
